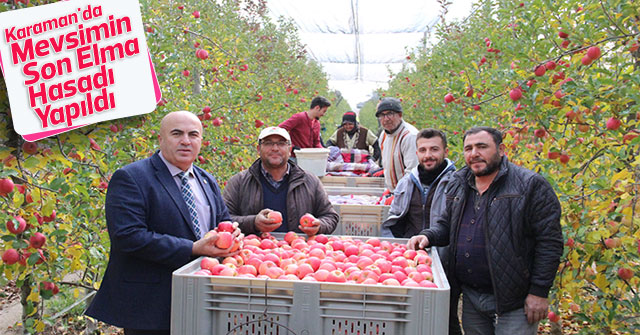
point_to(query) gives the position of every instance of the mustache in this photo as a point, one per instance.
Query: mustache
(477, 160)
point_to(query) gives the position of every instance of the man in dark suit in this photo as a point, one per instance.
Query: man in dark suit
(157, 210)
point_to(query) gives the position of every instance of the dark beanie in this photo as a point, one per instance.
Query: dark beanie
(389, 104)
(349, 117)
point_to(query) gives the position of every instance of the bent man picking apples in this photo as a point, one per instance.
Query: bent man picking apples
(275, 194)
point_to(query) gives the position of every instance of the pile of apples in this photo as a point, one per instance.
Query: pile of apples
(354, 199)
(322, 258)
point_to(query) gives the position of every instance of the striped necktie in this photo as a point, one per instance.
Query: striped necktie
(187, 194)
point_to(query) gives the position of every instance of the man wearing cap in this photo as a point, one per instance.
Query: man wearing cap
(304, 127)
(275, 184)
(351, 135)
(397, 142)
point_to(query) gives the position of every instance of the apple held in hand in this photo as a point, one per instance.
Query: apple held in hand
(225, 239)
(225, 226)
(275, 216)
(307, 220)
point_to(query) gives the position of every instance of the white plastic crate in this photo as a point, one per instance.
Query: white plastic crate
(359, 220)
(313, 160)
(218, 305)
(343, 181)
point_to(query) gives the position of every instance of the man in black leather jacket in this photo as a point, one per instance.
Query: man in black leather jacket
(503, 224)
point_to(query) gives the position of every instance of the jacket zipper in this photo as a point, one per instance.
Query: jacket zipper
(486, 239)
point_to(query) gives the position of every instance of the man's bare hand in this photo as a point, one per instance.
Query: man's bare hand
(312, 229)
(535, 308)
(263, 223)
(418, 242)
(206, 246)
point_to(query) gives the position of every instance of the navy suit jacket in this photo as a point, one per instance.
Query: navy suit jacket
(151, 236)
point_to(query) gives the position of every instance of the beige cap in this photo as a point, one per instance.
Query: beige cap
(274, 131)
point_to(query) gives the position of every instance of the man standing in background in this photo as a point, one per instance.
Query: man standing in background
(397, 142)
(304, 127)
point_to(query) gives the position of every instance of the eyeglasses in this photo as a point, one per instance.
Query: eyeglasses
(386, 115)
(279, 144)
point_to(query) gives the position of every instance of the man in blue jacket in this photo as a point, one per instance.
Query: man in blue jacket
(158, 211)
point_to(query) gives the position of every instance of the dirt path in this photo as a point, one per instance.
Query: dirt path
(9, 316)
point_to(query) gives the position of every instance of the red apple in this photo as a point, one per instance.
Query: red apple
(562, 34)
(594, 52)
(258, 123)
(228, 272)
(351, 250)
(196, 14)
(303, 270)
(321, 275)
(267, 244)
(515, 94)
(307, 220)
(217, 122)
(50, 217)
(202, 54)
(625, 273)
(6, 186)
(226, 226)
(37, 240)
(553, 317)
(391, 282)
(208, 263)
(539, 133)
(448, 98)
(16, 225)
(427, 283)
(290, 236)
(10, 256)
(553, 154)
(186, 73)
(551, 65)
(275, 216)
(613, 123)
(336, 276)
(247, 269)
(202, 272)
(586, 60)
(30, 147)
(224, 241)
(540, 71)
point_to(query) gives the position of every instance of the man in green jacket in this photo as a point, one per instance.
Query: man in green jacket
(273, 188)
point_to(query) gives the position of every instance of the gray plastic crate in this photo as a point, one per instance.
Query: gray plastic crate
(359, 220)
(343, 181)
(216, 305)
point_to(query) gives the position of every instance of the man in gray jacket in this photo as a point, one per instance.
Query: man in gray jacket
(419, 194)
(502, 225)
(411, 206)
(274, 193)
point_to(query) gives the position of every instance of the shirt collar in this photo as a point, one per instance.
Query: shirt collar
(267, 174)
(174, 170)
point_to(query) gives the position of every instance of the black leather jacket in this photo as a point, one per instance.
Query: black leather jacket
(522, 232)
